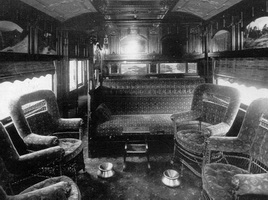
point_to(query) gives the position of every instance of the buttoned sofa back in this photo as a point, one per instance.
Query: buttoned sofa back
(146, 96)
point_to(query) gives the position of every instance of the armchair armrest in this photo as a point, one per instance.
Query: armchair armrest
(60, 190)
(37, 142)
(72, 124)
(226, 144)
(41, 157)
(251, 184)
(185, 116)
(217, 130)
(72, 127)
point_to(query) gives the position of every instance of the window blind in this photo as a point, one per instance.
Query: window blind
(11, 71)
(246, 71)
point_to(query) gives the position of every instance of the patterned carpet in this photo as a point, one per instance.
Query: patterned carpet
(136, 182)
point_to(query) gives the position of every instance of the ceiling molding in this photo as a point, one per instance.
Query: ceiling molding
(204, 9)
(62, 10)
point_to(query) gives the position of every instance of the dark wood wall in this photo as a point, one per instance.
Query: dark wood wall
(163, 41)
(46, 41)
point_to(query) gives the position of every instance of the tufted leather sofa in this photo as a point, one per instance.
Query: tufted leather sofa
(139, 102)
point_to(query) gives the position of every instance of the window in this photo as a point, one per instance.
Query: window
(72, 75)
(80, 73)
(76, 74)
(151, 68)
(11, 90)
(173, 68)
(248, 94)
(134, 69)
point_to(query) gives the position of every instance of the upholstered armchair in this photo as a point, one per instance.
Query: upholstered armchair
(40, 111)
(56, 188)
(20, 161)
(40, 127)
(242, 170)
(213, 111)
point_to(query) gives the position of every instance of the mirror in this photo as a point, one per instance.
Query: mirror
(256, 34)
(221, 41)
(13, 38)
(133, 44)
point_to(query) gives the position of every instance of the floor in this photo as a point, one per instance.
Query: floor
(136, 181)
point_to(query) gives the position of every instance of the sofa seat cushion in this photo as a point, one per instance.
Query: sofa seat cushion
(158, 124)
(217, 180)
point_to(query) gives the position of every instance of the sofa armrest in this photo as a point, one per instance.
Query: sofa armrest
(251, 184)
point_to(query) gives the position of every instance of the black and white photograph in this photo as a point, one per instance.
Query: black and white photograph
(133, 99)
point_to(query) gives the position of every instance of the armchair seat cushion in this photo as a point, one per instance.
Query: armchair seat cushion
(251, 184)
(191, 140)
(158, 124)
(217, 180)
(73, 159)
(72, 148)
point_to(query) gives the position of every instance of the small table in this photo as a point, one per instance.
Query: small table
(136, 146)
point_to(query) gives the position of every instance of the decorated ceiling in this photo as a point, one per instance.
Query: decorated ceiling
(63, 10)
(204, 9)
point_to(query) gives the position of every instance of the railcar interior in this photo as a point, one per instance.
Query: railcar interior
(133, 99)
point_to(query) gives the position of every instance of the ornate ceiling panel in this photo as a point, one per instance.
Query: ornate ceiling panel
(132, 9)
(204, 9)
(62, 9)
(135, 9)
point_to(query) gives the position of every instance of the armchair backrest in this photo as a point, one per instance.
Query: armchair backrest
(7, 150)
(43, 122)
(216, 103)
(256, 124)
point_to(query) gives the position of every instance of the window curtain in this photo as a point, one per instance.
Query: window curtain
(11, 71)
(244, 71)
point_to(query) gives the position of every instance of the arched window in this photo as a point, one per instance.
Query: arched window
(221, 41)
